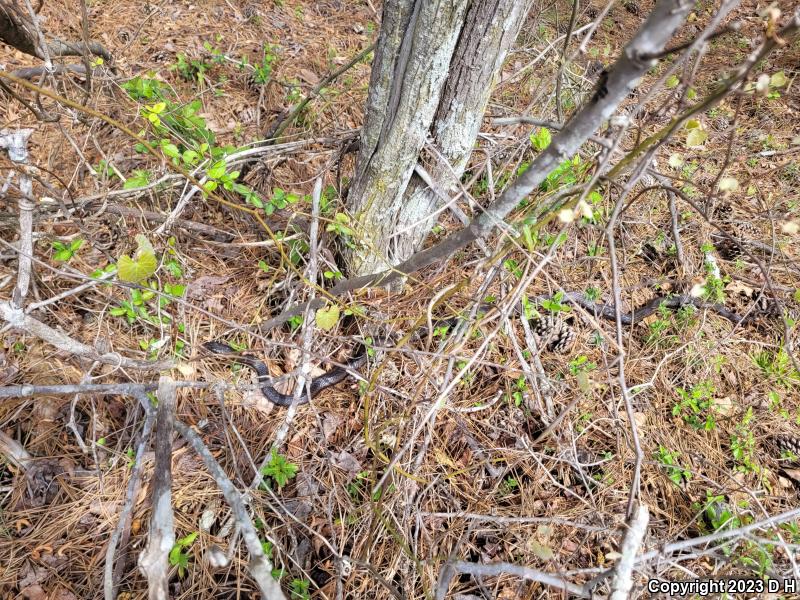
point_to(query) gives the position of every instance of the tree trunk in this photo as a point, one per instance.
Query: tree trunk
(17, 31)
(412, 59)
(490, 28)
(431, 78)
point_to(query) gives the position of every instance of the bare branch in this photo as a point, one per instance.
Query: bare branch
(120, 389)
(15, 143)
(122, 531)
(154, 560)
(260, 566)
(725, 534)
(18, 319)
(623, 578)
(449, 570)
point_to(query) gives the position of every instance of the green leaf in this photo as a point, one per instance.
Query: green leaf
(210, 185)
(778, 79)
(190, 157)
(135, 271)
(696, 137)
(176, 290)
(672, 82)
(140, 178)
(141, 266)
(187, 541)
(327, 318)
(217, 170)
(279, 469)
(541, 138)
(170, 149)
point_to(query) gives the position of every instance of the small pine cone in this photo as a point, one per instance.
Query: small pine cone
(787, 444)
(250, 11)
(631, 6)
(745, 230)
(553, 333)
(728, 249)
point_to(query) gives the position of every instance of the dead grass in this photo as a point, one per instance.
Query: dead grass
(55, 525)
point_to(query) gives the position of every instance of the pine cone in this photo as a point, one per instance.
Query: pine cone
(728, 249)
(788, 443)
(553, 333)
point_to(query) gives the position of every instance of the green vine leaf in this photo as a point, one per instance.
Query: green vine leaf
(141, 266)
(327, 317)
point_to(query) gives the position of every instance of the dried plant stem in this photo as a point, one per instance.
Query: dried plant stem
(260, 566)
(623, 577)
(112, 573)
(154, 560)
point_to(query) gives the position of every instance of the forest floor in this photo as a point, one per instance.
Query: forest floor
(459, 415)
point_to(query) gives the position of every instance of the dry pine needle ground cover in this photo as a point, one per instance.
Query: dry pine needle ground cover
(479, 481)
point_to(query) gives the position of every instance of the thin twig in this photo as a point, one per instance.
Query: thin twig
(280, 125)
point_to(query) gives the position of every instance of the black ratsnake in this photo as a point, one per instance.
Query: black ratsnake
(357, 359)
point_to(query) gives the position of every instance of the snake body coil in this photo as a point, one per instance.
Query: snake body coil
(318, 384)
(357, 359)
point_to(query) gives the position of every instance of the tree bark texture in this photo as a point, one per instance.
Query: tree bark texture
(490, 28)
(639, 55)
(411, 64)
(17, 31)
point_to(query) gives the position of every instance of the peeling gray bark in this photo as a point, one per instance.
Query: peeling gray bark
(17, 31)
(154, 559)
(413, 56)
(490, 28)
(623, 77)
